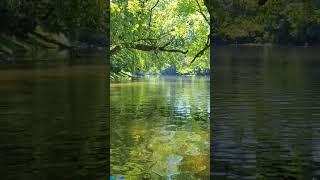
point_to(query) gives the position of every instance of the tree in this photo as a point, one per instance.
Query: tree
(148, 36)
(264, 21)
(20, 17)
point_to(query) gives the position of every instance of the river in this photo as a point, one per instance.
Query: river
(264, 122)
(265, 113)
(160, 128)
(53, 118)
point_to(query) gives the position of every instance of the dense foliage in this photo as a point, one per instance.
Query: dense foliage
(150, 35)
(20, 17)
(154, 35)
(266, 21)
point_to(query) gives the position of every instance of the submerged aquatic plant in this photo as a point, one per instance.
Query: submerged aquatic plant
(167, 153)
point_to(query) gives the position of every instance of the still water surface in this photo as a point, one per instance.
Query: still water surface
(160, 128)
(266, 113)
(53, 119)
(265, 120)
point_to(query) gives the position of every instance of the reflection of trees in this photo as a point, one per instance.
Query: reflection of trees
(262, 120)
(59, 126)
(152, 135)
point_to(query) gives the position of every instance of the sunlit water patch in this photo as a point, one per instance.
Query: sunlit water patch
(160, 128)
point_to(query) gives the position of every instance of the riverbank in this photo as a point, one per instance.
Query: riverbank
(39, 40)
(266, 45)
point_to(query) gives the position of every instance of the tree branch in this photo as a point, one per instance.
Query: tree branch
(43, 37)
(145, 39)
(115, 50)
(168, 43)
(201, 52)
(174, 51)
(151, 12)
(200, 10)
(143, 47)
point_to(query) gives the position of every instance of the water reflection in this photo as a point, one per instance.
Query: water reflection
(266, 120)
(160, 128)
(53, 120)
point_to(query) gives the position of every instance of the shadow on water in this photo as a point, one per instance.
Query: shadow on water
(53, 118)
(265, 113)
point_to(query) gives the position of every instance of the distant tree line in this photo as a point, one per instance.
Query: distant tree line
(294, 22)
(235, 21)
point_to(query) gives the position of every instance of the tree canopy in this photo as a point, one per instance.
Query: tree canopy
(150, 35)
(265, 21)
(41, 24)
(153, 35)
(19, 17)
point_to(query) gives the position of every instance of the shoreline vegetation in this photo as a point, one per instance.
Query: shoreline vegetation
(141, 37)
(9, 45)
(118, 77)
(38, 40)
(154, 36)
(29, 26)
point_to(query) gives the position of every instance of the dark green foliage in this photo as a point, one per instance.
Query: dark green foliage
(266, 21)
(19, 17)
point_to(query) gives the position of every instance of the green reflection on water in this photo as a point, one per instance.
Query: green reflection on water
(160, 128)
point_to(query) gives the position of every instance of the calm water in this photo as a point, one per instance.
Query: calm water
(265, 120)
(53, 119)
(266, 113)
(160, 128)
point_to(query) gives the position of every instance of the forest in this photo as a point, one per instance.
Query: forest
(153, 36)
(156, 36)
(41, 24)
(285, 22)
(140, 29)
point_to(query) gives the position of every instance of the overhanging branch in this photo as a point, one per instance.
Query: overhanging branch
(143, 47)
(168, 43)
(150, 18)
(201, 12)
(115, 50)
(201, 52)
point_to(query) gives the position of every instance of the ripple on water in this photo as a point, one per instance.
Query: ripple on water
(160, 129)
(265, 122)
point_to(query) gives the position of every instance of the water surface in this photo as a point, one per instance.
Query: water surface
(265, 113)
(160, 128)
(53, 118)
